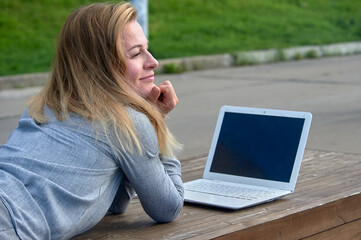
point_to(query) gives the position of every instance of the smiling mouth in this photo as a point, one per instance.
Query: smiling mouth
(149, 78)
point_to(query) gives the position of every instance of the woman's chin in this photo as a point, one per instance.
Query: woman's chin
(146, 89)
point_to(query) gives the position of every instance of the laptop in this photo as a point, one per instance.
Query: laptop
(255, 157)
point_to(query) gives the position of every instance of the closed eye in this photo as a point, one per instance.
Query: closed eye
(135, 55)
(139, 48)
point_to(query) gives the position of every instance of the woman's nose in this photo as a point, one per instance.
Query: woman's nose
(150, 62)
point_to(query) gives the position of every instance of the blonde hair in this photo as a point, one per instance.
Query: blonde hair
(88, 78)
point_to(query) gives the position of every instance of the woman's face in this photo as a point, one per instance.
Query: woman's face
(140, 64)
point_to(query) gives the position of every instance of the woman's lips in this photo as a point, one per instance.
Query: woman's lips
(147, 78)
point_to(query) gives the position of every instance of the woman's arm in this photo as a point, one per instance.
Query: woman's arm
(156, 180)
(124, 195)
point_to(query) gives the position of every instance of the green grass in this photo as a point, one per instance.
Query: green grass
(178, 28)
(29, 29)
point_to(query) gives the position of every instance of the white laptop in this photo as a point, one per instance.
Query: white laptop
(255, 157)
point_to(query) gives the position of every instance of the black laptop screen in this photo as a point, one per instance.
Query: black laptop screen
(257, 146)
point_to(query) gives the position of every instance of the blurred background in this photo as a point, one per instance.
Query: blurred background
(29, 28)
(328, 87)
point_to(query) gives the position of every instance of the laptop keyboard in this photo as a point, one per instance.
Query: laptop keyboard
(228, 191)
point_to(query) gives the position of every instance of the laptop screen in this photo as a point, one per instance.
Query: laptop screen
(257, 146)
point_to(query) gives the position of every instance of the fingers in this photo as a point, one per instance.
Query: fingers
(167, 99)
(154, 94)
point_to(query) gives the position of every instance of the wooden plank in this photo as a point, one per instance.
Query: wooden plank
(327, 196)
(303, 224)
(349, 231)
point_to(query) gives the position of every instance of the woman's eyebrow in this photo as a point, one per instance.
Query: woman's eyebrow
(137, 46)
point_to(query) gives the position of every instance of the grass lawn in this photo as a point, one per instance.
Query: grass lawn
(178, 28)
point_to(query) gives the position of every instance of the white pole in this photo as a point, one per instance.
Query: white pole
(142, 9)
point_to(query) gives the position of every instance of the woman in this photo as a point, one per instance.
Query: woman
(93, 136)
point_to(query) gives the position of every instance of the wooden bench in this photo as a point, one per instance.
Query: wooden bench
(325, 205)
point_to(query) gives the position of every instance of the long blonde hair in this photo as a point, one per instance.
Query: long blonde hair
(88, 77)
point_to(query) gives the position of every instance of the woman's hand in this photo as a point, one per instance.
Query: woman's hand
(164, 97)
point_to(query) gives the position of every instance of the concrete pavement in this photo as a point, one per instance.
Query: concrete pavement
(329, 88)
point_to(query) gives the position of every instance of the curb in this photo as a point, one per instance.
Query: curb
(23, 80)
(179, 65)
(257, 57)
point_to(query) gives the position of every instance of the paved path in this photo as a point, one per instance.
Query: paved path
(329, 88)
